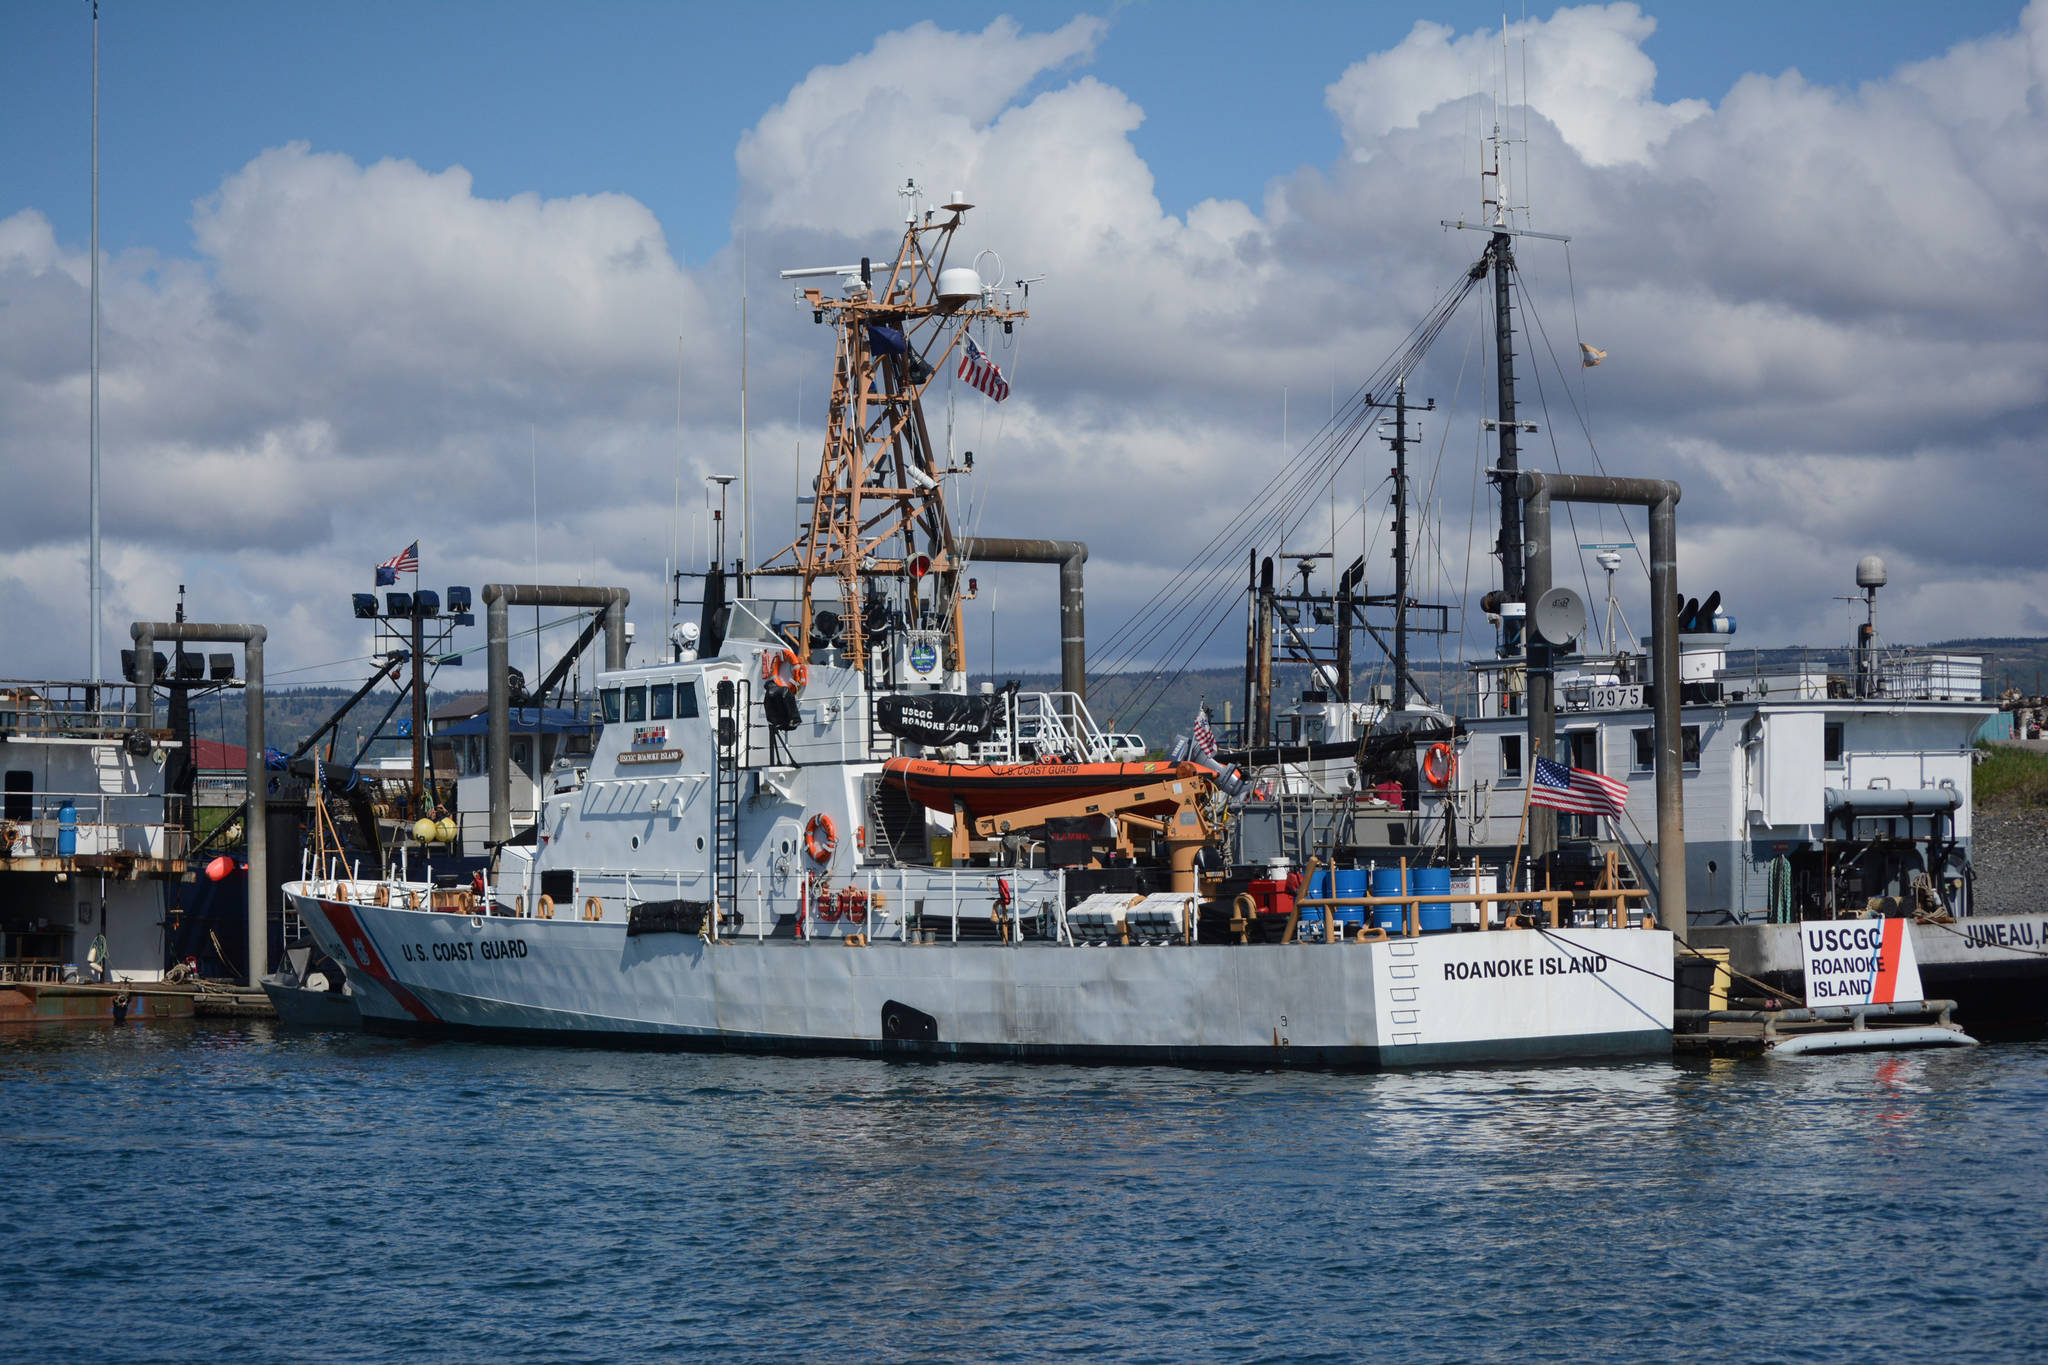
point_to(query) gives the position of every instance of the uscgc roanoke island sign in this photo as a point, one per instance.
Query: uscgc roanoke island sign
(1859, 962)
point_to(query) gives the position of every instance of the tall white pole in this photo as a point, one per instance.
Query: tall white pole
(93, 558)
(676, 512)
(746, 483)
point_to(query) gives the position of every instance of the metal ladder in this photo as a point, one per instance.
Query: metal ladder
(728, 723)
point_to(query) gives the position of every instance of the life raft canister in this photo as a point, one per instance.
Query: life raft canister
(1440, 765)
(821, 837)
(783, 669)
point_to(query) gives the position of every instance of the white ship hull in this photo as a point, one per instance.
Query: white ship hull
(1511, 995)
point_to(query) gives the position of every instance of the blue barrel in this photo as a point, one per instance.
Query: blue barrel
(1386, 881)
(67, 831)
(1351, 882)
(1436, 915)
(1318, 885)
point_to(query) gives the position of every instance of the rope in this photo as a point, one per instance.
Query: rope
(1778, 890)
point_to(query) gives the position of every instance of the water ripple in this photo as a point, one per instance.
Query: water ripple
(207, 1191)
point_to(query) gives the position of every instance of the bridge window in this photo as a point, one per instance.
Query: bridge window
(1510, 759)
(1644, 749)
(609, 699)
(636, 703)
(686, 700)
(661, 701)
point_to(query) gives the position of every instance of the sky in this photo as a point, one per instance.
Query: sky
(455, 272)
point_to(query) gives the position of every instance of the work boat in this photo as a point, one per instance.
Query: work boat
(800, 831)
(1810, 792)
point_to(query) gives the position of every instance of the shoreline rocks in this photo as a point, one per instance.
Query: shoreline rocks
(2009, 848)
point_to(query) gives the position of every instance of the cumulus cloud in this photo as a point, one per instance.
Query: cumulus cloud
(1583, 68)
(1820, 306)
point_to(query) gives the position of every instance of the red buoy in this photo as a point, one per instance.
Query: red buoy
(220, 868)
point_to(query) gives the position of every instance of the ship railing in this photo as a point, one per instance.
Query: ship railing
(37, 708)
(1897, 673)
(133, 823)
(1042, 724)
(29, 971)
(1614, 908)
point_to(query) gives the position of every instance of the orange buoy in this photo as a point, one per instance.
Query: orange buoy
(784, 669)
(821, 837)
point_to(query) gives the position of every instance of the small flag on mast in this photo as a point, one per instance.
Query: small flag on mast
(1577, 789)
(977, 369)
(405, 561)
(1205, 738)
(1589, 356)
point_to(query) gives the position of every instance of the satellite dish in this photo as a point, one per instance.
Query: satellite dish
(1559, 616)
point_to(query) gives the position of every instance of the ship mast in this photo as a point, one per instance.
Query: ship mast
(1499, 258)
(880, 511)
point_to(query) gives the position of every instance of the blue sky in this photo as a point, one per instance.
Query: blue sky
(1822, 294)
(649, 99)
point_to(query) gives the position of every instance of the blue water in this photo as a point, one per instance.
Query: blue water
(226, 1193)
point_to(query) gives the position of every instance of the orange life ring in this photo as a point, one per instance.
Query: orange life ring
(784, 669)
(821, 837)
(1440, 765)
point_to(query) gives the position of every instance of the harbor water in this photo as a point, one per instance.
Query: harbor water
(217, 1192)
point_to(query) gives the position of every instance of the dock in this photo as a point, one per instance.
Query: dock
(1828, 1028)
(121, 1001)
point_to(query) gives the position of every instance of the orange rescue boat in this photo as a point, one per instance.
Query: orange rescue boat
(998, 788)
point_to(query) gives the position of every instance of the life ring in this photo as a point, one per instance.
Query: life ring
(783, 669)
(545, 907)
(593, 908)
(1440, 765)
(821, 837)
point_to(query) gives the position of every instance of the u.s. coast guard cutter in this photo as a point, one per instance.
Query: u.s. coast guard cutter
(800, 831)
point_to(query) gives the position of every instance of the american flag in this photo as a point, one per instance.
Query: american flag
(1205, 738)
(977, 369)
(405, 561)
(1577, 789)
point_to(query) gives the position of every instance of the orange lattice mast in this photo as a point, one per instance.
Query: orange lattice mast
(880, 511)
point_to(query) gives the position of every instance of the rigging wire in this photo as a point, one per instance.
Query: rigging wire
(1592, 446)
(1191, 587)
